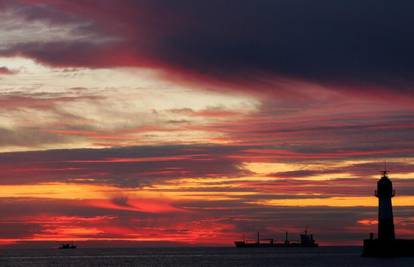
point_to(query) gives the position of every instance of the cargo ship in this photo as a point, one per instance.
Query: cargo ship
(306, 240)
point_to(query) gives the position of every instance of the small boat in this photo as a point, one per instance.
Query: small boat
(67, 246)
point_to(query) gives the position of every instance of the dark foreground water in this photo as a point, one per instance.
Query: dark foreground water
(289, 257)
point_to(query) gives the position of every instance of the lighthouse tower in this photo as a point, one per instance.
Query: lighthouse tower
(384, 193)
(386, 245)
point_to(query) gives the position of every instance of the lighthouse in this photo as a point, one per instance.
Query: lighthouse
(384, 193)
(386, 245)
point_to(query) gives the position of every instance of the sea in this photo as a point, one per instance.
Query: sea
(196, 256)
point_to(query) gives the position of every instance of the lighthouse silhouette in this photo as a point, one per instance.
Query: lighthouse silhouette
(385, 193)
(386, 245)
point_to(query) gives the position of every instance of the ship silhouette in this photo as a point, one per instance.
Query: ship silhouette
(306, 240)
(67, 246)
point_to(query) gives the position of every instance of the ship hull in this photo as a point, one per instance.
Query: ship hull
(241, 244)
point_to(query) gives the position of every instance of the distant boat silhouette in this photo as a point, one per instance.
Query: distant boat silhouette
(306, 240)
(67, 246)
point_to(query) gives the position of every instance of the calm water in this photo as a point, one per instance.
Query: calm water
(324, 256)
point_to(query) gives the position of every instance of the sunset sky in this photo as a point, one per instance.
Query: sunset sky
(195, 122)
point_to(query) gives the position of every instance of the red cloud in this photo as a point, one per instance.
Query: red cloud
(7, 71)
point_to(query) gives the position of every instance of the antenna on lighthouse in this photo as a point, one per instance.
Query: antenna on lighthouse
(385, 171)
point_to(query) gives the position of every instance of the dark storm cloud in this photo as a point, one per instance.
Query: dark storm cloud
(344, 42)
(360, 41)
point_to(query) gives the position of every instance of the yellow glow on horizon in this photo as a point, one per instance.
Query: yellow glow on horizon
(327, 176)
(396, 176)
(267, 168)
(73, 191)
(274, 168)
(213, 182)
(335, 202)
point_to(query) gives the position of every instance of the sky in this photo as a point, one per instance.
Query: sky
(186, 122)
